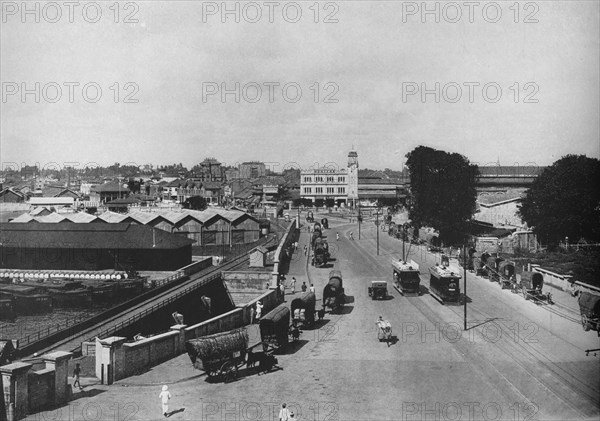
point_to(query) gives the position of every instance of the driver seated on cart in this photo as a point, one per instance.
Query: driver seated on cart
(383, 324)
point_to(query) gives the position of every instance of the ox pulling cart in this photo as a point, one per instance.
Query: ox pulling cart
(531, 287)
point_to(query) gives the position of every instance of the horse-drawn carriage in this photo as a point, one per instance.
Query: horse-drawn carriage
(378, 290)
(274, 328)
(333, 293)
(589, 307)
(531, 286)
(310, 217)
(303, 310)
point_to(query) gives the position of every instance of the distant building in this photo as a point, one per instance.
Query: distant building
(507, 176)
(211, 170)
(253, 169)
(71, 246)
(324, 183)
(109, 191)
(8, 195)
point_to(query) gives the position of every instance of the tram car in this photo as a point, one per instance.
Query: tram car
(406, 277)
(320, 252)
(325, 223)
(444, 283)
(333, 293)
(303, 309)
(274, 327)
(310, 217)
(531, 287)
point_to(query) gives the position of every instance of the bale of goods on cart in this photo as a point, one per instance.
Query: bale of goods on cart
(274, 327)
(209, 351)
(303, 308)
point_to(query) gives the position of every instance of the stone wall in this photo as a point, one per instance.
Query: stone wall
(250, 280)
(27, 391)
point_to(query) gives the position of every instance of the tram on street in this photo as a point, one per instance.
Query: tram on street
(444, 284)
(406, 277)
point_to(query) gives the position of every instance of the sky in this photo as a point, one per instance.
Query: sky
(516, 85)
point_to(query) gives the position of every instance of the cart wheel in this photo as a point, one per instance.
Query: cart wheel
(229, 371)
(585, 322)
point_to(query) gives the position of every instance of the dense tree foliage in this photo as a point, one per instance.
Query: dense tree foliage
(195, 203)
(564, 201)
(443, 191)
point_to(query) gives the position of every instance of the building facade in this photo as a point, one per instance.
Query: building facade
(324, 183)
(250, 170)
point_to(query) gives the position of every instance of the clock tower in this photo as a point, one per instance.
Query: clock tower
(352, 178)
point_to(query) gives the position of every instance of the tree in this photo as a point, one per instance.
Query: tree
(195, 203)
(329, 202)
(564, 201)
(319, 203)
(443, 191)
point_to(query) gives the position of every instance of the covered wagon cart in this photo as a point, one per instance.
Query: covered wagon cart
(274, 328)
(219, 355)
(589, 306)
(303, 309)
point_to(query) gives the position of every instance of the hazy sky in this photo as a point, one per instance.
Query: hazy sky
(372, 61)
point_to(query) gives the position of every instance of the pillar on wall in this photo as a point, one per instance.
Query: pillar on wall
(275, 280)
(106, 358)
(59, 361)
(180, 346)
(15, 383)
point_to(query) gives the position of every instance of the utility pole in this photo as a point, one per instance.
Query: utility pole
(359, 219)
(465, 284)
(377, 229)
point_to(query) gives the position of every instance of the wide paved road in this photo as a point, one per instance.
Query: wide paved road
(517, 361)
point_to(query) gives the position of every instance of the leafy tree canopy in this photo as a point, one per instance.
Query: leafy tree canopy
(195, 203)
(443, 191)
(564, 201)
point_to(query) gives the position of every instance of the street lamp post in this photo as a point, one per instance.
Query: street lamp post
(377, 229)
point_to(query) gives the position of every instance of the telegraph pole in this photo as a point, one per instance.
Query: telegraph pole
(465, 284)
(359, 218)
(377, 229)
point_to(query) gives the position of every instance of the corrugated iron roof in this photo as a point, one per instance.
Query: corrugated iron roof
(90, 236)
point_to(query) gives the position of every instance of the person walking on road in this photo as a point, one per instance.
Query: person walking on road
(351, 235)
(304, 287)
(337, 236)
(282, 289)
(305, 250)
(312, 288)
(293, 285)
(76, 374)
(164, 396)
(284, 413)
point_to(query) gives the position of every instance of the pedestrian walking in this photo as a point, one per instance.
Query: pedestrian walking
(164, 396)
(295, 245)
(293, 285)
(284, 413)
(76, 374)
(351, 235)
(337, 236)
(305, 250)
(312, 288)
(252, 313)
(259, 307)
(282, 289)
(304, 287)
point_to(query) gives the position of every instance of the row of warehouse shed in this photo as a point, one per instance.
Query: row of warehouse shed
(208, 227)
